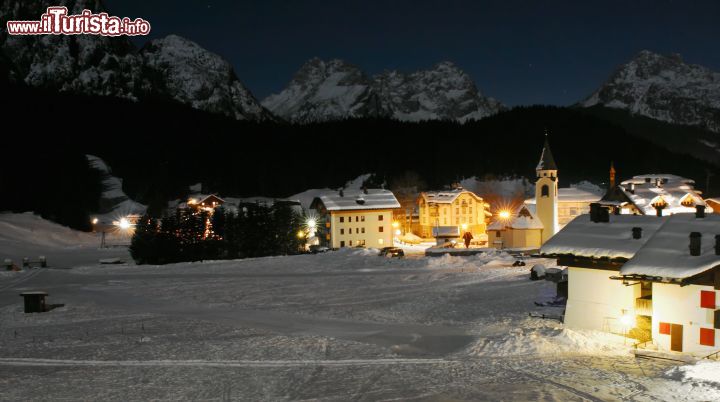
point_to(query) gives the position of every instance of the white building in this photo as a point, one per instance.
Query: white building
(650, 277)
(357, 218)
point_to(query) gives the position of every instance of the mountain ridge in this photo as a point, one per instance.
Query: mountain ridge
(325, 90)
(665, 88)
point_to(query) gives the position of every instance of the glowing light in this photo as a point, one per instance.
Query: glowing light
(300, 234)
(124, 224)
(95, 221)
(464, 226)
(192, 201)
(504, 214)
(396, 224)
(398, 232)
(627, 321)
(311, 223)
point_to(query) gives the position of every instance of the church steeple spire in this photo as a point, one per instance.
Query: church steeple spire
(547, 162)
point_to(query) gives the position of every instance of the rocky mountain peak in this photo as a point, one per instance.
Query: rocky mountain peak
(172, 68)
(334, 89)
(663, 88)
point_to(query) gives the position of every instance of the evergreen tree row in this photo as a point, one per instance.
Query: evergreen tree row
(188, 235)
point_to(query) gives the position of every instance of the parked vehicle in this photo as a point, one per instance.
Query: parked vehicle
(318, 249)
(391, 252)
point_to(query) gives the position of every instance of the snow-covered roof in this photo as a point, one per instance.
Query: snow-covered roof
(350, 200)
(646, 190)
(584, 238)
(447, 197)
(572, 194)
(522, 218)
(446, 231)
(667, 255)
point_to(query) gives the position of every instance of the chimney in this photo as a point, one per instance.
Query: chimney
(365, 191)
(658, 210)
(699, 211)
(695, 243)
(632, 188)
(717, 244)
(342, 193)
(598, 213)
(637, 233)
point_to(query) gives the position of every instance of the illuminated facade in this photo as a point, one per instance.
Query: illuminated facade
(459, 208)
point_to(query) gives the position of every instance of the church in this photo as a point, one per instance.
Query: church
(538, 219)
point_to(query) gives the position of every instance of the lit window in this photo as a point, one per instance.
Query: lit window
(381, 241)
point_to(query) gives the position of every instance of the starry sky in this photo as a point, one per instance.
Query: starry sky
(520, 52)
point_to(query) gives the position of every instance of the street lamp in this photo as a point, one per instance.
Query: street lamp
(627, 321)
(124, 224)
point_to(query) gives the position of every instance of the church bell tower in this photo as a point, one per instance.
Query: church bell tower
(546, 192)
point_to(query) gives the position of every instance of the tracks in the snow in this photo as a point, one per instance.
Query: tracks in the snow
(12, 361)
(23, 278)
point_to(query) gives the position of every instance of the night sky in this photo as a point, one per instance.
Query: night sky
(520, 52)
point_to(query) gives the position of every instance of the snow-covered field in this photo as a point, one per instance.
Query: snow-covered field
(345, 325)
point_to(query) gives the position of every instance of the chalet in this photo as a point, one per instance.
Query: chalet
(654, 194)
(648, 277)
(356, 218)
(459, 208)
(205, 202)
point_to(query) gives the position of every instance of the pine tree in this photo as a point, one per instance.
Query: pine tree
(143, 244)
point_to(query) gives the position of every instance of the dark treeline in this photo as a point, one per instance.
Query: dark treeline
(183, 235)
(160, 148)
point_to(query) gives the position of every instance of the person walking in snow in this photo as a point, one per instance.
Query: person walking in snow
(467, 237)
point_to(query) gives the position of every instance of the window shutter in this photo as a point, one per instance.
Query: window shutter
(707, 299)
(664, 328)
(707, 336)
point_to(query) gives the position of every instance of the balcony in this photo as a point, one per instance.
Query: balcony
(643, 306)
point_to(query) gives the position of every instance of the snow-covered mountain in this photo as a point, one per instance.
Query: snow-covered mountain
(331, 90)
(169, 68)
(187, 73)
(444, 92)
(325, 90)
(663, 88)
